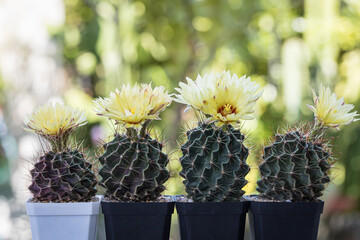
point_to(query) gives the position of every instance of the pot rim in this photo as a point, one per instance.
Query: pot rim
(248, 198)
(137, 208)
(211, 208)
(286, 208)
(63, 209)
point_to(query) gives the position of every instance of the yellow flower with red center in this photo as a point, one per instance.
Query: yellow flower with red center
(222, 97)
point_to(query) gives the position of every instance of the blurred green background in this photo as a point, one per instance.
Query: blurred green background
(74, 50)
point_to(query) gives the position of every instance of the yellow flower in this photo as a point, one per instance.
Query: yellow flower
(55, 120)
(132, 106)
(194, 94)
(222, 97)
(330, 111)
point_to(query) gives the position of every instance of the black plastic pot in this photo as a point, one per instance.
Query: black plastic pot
(212, 220)
(137, 220)
(285, 220)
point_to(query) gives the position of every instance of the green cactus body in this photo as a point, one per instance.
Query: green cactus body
(214, 164)
(133, 170)
(294, 168)
(63, 177)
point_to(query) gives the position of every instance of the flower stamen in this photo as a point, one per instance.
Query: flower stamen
(226, 109)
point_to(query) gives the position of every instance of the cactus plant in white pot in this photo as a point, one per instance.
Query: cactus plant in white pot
(63, 205)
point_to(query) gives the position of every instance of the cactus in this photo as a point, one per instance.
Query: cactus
(62, 174)
(133, 170)
(133, 164)
(214, 156)
(296, 165)
(214, 164)
(294, 168)
(62, 177)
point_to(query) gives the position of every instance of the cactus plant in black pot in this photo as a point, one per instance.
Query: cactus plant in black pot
(133, 170)
(295, 172)
(214, 156)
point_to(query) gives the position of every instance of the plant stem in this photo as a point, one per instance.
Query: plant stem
(58, 143)
(143, 128)
(132, 133)
(318, 131)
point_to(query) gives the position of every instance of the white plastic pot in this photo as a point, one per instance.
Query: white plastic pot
(63, 221)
